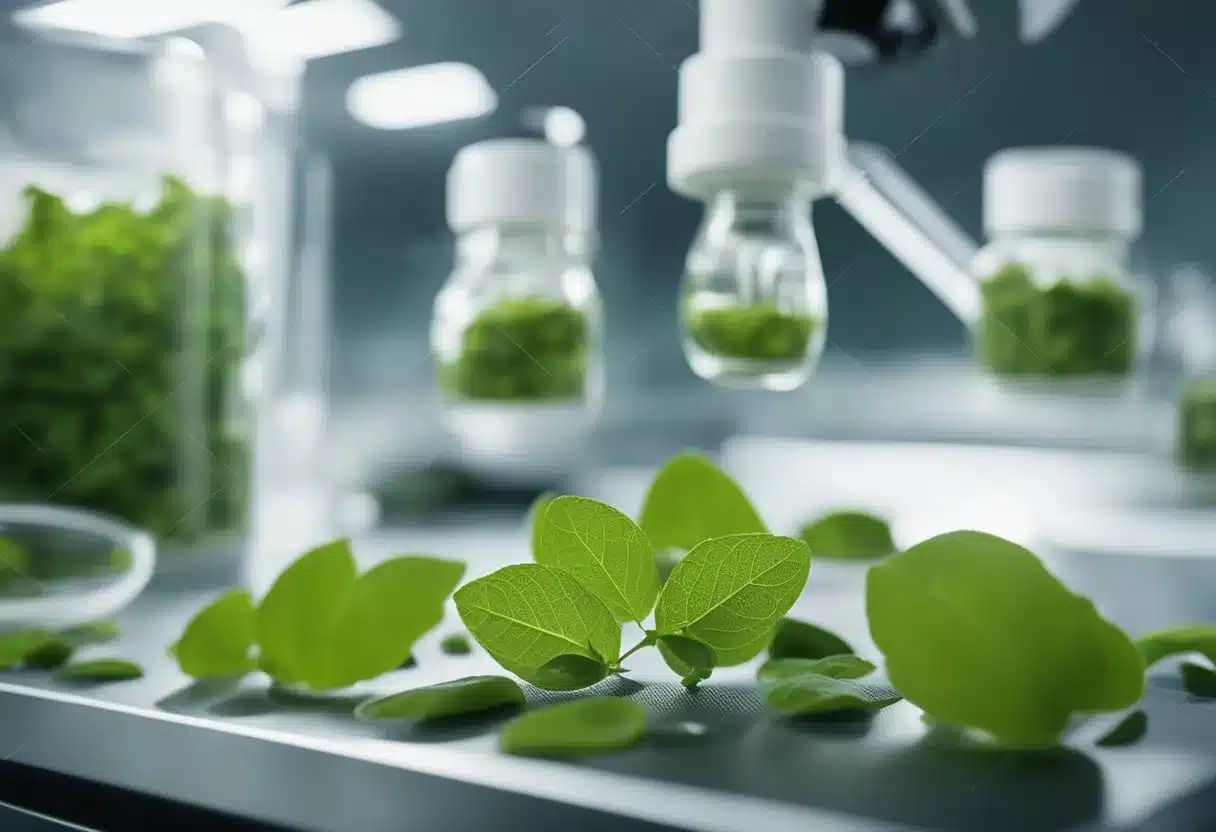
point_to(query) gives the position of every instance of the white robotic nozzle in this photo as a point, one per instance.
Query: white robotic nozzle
(758, 25)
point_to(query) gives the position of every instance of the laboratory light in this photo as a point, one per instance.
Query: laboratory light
(421, 96)
(320, 28)
(128, 19)
(564, 127)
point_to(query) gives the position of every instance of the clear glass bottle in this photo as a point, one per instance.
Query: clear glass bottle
(754, 310)
(517, 331)
(125, 271)
(1058, 300)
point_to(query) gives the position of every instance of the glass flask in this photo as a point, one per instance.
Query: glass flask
(754, 306)
(137, 283)
(517, 331)
(1058, 300)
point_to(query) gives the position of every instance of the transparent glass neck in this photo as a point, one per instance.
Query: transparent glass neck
(510, 246)
(737, 213)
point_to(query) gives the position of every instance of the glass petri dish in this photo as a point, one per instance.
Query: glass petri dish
(61, 567)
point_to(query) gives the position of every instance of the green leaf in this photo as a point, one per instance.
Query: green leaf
(1199, 680)
(796, 639)
(101, 670)
(729, 593)
(526, 615)
(50, 656)
(17, 646)
(691, 501)
(977, 633)
(1129, 730)
(582, 728)
(219, 640)
(849, 535)
(99, 632)
(570, 672)
(456, 644)
(819, 686)
(532, 521)
(604, 550)
(1192, 638)
(688, 658)
(323, 627)
(471, 695)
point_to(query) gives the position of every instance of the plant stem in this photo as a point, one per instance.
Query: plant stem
(646, 642)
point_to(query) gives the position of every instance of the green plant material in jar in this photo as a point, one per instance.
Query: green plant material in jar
(1197, 425)
(519, 350)
(1071, 328)
(761, 332)
(124, 333)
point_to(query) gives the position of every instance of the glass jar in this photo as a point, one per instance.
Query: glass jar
(1057, 297)
(517, 329)
(754, 310)
(124, 279)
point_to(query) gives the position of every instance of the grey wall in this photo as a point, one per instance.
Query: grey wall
(1129, 74)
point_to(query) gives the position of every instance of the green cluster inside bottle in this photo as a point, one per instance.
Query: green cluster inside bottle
(123, 337)
(1197, 424)
(1072, 328)
(521, 350)
(760, 332)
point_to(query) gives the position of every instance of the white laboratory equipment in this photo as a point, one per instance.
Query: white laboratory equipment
(517, 333)
(760, 136)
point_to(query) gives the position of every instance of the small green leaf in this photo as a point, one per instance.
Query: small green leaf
(50, 656)
(526, 615)
(569, 672)
(977, 633)
(324, 627)
(99, 632)
(532, 521)
(691, 501)
(688, 658)
(729, 593)
(219, 640)
(101, 670)
(604, 550)
(17, 646)
(471, 695)
(1198, 680)
(1192, 638)
(818, 686)
(456, 644)
(849, 535)
(1129, 730)
(582, 728)
(796, 639)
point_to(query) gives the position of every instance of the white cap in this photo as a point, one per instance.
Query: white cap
(1062, 189)
(521, 181)
(760, 119)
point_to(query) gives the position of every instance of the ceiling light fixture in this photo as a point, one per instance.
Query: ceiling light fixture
(421, 96)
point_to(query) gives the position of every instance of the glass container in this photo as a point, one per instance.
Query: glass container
(517, 330)
(1058, 299)
(754, 310)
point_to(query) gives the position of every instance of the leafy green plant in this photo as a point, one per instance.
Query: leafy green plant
(819, 686)
(36, 648)
(1197, 424)
(584, 727)
(794, 639)
(521, 349)
(1068, 329)
(1175, 641)
(760, 332)
(849, 535)
(322, 626)
(124, 337)
(461, 697)
(977, 633)
(1127, 731)
(456, 644)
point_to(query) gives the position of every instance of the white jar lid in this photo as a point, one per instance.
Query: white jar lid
(1061, 190)
(521, 181)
